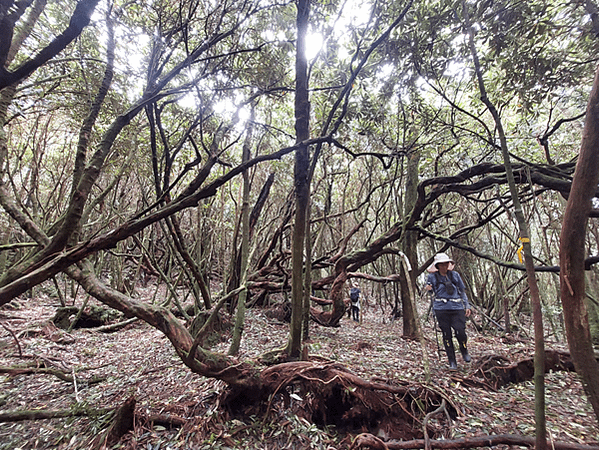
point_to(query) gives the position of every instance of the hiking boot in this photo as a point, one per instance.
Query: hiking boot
(450, 355)
(464, 351)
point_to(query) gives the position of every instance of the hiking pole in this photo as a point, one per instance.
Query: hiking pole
(437, 337)
(424, 317)
(430, 305)
(435, 325)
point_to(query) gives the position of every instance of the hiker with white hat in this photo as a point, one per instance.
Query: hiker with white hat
(450, 305)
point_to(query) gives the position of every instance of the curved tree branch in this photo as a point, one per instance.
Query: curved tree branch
(79, 20)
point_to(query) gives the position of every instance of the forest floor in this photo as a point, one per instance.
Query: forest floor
(139, 361)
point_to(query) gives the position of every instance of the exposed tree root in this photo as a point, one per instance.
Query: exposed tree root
(495, 372)
(441, 408)
(121, 424)
(366, 440)
(329, 394)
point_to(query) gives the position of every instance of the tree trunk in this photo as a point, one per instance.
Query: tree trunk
(302, 187)
(572, 252)
(235, 272)
(307, 281)
(245, 245)
(539, 375)
(410, 244)
(174, 228)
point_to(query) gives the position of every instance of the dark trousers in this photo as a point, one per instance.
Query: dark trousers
(456, 320)
(355, 312)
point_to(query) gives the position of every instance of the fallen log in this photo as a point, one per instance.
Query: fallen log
(114, 326)
(13, 371)
(488, 441)
(167, 420)
(494, 372)
(17, 416)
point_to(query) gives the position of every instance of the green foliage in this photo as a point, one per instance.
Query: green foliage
(416, 94)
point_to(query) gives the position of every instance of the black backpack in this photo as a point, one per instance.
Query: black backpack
(450, 287)
(354, 294)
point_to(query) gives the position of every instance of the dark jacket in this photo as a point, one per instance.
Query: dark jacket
(444, 300)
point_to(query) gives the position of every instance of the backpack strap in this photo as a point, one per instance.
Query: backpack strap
(451, 279)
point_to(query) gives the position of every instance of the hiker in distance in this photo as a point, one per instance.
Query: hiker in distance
(451, 305)
(354, 296)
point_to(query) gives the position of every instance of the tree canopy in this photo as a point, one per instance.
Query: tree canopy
(264, 148)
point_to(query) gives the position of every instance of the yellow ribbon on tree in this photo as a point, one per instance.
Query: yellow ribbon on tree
(519, 251)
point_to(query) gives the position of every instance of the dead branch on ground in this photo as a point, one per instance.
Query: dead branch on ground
(488, 441)
(17, 416)
(15, 338)
(113, 327)
(495, 372)
(13, 371)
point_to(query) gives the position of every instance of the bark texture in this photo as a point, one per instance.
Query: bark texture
(302, 185)
(572, 252)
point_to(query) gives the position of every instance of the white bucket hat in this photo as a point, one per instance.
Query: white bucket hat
(440, 258)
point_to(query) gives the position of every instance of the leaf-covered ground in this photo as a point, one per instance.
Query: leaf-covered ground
(139, 361)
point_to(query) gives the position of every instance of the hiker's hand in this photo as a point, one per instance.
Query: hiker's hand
(468, 312)
(428, 287)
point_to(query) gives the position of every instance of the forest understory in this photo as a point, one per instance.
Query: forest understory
(175, 408)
